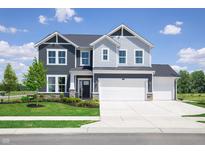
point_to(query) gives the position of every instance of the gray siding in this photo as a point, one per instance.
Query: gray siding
(105, 43)
(130, 44)
(97, 76)
(57, 69)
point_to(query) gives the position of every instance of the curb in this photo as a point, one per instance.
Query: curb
(26, 131)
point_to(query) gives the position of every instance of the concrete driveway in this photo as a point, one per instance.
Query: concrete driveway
(147, 114)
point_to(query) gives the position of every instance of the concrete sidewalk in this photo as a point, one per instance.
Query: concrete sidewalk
(97, 130)
(2, 118)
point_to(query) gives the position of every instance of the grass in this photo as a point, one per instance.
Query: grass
(43, 124)
(49, 109)
(194, 99)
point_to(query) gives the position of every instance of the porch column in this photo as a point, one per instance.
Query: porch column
(72, 86)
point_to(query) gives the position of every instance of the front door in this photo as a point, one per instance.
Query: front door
(84, 89)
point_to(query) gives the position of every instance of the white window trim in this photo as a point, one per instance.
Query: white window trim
(57, 58)
(108, 51)
(119, 57)
(142, 56)
(88, 58)
(56, 83)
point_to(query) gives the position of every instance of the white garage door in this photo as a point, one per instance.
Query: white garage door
(122, 90)
(163, 88)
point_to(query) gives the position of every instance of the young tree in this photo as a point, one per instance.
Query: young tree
(198, 82)
(183, 83)
(10, 80)
(36, 76)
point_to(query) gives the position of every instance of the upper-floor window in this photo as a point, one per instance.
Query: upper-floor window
(138, 56)
(85, 58)
(61, 57)
(122, 56)
(51, 57)
(105, 54)
(56, 83)
(56, 56)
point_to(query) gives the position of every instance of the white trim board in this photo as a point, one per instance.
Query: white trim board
(52, 35)
(132, 32)
(102, 37)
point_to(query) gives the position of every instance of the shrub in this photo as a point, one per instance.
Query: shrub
(25, 99)
(89, 103)
(71, 100)
(2, 100)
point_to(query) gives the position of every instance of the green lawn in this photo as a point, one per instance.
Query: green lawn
(43, 124)
(49, 109)
(194, 99)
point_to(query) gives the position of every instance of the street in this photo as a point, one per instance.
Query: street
(104, 139)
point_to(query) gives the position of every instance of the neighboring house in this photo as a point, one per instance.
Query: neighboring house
(114, 66)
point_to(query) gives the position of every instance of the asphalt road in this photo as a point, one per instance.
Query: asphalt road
(104, 139)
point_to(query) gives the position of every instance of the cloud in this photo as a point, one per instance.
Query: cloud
(178, 68)
(20, 57)
(172, 29)
(62, 15)
(78, 19)
(179, 23)
(42, 19)
(11, 30)
(22, 52)
(192, 56)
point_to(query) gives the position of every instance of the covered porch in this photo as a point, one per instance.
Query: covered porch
(81, 83)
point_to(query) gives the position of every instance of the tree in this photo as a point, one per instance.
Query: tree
(10, 80)
(36, 76)
(198, 82)
(183, 83)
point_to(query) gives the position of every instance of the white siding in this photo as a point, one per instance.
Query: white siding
(163, 88)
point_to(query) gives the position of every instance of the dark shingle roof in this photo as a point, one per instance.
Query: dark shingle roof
(82, 40)
(164, 70)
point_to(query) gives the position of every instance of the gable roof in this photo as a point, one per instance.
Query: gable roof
(102, 37)
(52, 35)
(82, 40)
(164, 70)
(132, 32)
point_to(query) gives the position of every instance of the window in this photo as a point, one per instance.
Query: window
(61, 57)
(138, 56)
(56, 83)
(61, 84)
(105, 54)
(122, 56)
(51, 57)
(85, 58)
(51, 84)
(57, 57)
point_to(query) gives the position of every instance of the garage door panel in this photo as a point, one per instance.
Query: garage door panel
(163, 88)
(114, 90)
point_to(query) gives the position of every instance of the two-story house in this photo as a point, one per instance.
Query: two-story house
(114, 66)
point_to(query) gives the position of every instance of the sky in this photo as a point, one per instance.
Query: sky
(178, 35)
